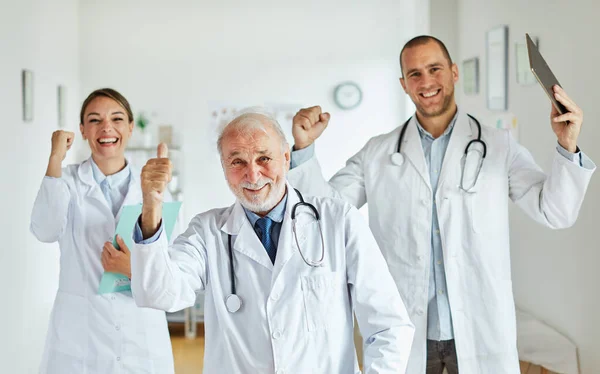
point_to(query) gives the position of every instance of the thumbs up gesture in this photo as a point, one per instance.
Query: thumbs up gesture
(156, 174)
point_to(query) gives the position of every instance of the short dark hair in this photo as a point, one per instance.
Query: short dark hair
(111, 94)
(421, 40)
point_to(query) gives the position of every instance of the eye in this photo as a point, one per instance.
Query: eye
(117, 119)
(237, 162)
(264, 159)
(94, 120)
(414, 75)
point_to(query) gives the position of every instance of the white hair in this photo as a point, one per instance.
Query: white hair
(248, 120)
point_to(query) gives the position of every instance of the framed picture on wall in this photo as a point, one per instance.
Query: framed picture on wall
(27, 94)
(61, 98)
(497, 68)
(470, 74)
(524, 75)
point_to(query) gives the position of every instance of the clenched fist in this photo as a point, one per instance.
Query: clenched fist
(308, 125)
(156, 174)
(61, 143)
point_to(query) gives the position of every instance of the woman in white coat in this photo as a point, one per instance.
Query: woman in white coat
(78, 206)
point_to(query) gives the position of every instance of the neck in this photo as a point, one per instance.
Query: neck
(436, 125)
(110, 166)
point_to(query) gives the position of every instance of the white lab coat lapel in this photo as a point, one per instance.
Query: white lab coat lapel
(287, 247)
(134, 191)
(461, 135)
(244, 238)
(412, 148)
(94, 191)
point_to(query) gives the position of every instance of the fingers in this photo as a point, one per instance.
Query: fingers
(122, 245)
(162, 151)
(308, 116)
(324, 118)
(567, 117)
(104, 259)
(561, 96)
(112, 251)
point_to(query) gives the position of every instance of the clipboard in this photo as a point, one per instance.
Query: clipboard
(115, 282)
(543, 74)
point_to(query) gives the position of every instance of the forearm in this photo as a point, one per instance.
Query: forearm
(167, 279)
(50, 210)
(54, 168)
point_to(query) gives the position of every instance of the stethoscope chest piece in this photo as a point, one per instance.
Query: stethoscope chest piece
(233, 303)
(397, 158)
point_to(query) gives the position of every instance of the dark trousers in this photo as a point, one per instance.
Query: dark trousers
(440, 355)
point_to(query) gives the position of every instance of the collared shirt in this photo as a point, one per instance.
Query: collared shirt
(114, 187)
(276, 215)
(439, 318)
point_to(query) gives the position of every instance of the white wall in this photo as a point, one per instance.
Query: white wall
(40, 36)
(555, 273)
(175, 59)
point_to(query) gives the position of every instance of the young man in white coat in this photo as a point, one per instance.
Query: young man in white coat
(441, 221)
(279, 292)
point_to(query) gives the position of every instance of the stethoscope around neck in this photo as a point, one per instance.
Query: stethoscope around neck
(233, 302)
(398, 158)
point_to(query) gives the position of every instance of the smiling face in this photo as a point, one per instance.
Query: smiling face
(106, 127)
(255, 162)
(429, 78)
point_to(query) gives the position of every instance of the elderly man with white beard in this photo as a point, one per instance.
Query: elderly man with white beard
(282, 274)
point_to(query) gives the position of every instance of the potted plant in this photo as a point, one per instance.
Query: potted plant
(142, 123)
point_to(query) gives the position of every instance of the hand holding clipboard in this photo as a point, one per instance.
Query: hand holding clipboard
(566, 117)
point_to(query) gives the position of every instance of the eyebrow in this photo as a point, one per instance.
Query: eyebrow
(426, 67)
(112, 114)
(237, 153)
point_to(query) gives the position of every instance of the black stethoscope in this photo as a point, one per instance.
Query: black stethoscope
(233, 302)
(398, 158)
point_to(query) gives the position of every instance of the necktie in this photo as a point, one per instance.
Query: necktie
(263, 230)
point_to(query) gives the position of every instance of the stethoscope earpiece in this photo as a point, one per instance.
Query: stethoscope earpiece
(397, 159)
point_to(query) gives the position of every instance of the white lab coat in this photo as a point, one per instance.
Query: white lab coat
(294, 318)
(91, 333)
(474, 229)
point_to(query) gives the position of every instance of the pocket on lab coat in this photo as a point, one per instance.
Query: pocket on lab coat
(324, 300)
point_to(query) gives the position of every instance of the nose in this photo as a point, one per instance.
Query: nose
(428, 80)
(253, 174)
(105, 126)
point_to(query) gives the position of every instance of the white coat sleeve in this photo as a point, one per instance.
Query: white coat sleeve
(167, 277)
(49, 215)
(347, 184)
(382, 317)
(553, 200)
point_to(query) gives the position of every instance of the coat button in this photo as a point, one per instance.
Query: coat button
(275, 296)
(420, 311)
(277, 334)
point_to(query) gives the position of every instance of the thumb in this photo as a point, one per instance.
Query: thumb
(324, 117)
(122, 245)
(162, 151)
